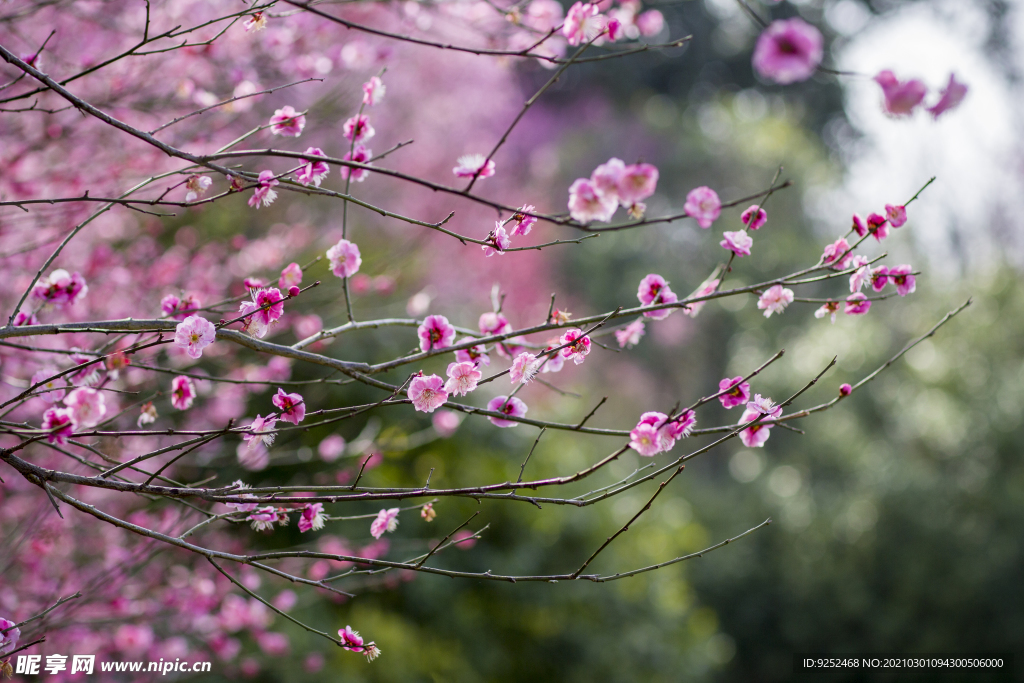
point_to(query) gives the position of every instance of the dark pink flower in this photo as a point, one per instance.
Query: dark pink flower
(901, 97)
(360, 155)
(879, 278)
(857, 304)
(578, 345)
(837, 254)
(512, 407)
(878, 226)
(183, 392)
(897, 215)
(950, 98)
(845, 390)
(858, 226)
(902, 278)
(738, 394)
(314, 171)
(754, 217)
(286, 121)
(8, 640)
(60, 422)
(292, 406)
(358, 128)
(60, 288)
(654, 290)
(788, 51)
(497, 241)
(312, 518)
(264, 194)
(703, 204)
(435, 333)
(755, 435)
(179, 309)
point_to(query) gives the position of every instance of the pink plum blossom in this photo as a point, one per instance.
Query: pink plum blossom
(902, 278)
(901, 97)
(703, 204)
(644, 440)
(474, 354)
(331, 448)
(857, 304)
(462, 378)
(607, 176)
(879, 278)
(262, 431)
(470, 165)
(858, 226)
(578, 345)
(738, 392)
(265, 308)
(950, 98)
(427, 393)
(8, 640)
(544, 15)
(264, 518)
(358, 128)
(775, 300)
(523, 222)
(360, 155)
(53, 390)
(738, 242)
(828, 308)
(654, 290)
(435, 332)
(387, 520)
(788, 51)
(555, 361)
(897, 215)
(314, 171)
(706, 288)
(497, 241)
(878, 226)
(257, 21)
(352, 641)
(60, 422)
(312, 518)
(194, 334)
(837, 254)
(373, 91)
(179, 309)
(183, 392)
(288, 122)
(60, 288)
(493, 324)
(344, 258)
(755, 435)
(583, 23)
(630, 334)
(862, 274)
(291, 276)
(264, 195)
(650, 23)
(195, 186)
(754, 217)
(637, 182)
(87, 406)
(147, 414)
(445, 422)
(587, 203)
(292, 406)
(512, 407)
(761, 404)
(524, 367)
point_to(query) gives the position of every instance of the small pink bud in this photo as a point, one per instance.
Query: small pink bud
(845, 389)
(293, 291)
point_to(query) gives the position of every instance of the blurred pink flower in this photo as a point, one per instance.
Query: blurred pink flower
(387, 520)
(901, 97)
(358, 128)
(512, 407)
(754, 217)
(470, 164)
(950, 98)
(654, 290)
(703, 204)
(373, 91)
(738, 242)
(775, 300)
(630, 334)
(587, 203)
(788, 51)
(344, 258)
(857, 304)
(288, 122)
(183, 392)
